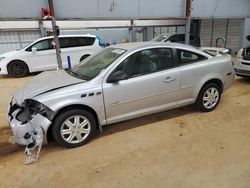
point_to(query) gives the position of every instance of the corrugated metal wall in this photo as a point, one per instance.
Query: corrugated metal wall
(13, 40)
(234, 34)
(221, 28)
(115, 35)
(168, 30)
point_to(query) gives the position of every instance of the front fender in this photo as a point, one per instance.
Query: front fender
(94, 102)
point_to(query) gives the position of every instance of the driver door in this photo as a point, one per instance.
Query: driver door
(42, 56)
(152, 85)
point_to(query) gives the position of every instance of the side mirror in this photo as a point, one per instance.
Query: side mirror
(117, 76)
(33, 49)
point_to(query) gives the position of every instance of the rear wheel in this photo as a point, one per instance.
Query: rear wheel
(208, 98)
(18, 69)
(74, 128)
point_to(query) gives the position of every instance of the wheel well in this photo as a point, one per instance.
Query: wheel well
(14, 61)
(77, 106)
(84, 56)
(216, 81)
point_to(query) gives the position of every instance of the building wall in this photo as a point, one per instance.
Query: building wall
(221, 8)
(21, 8)
(120, 9)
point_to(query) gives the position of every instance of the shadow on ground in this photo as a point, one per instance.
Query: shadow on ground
(7, 148)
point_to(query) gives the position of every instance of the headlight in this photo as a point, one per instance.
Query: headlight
(2, 58)
(30, 108)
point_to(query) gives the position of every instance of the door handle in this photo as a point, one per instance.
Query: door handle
(169, 79)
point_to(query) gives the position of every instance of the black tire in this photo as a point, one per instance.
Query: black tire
(75, 134)
(207, 103)
(84, 57)
(18, 69)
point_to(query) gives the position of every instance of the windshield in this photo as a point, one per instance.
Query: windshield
(92, 66)
(159, 38)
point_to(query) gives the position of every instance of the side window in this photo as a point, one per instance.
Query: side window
(65, 42)
(147, 61)
(174, 38)
(185, 57)
(182, 38)
(178, 38)
(68, 42)
(164, 58)
(86, 41)
(42, 45)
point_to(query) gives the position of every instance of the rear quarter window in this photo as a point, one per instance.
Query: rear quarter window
(186, 57)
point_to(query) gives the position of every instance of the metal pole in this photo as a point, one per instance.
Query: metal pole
(212, 33)
(53, 21)
(51, 7)
(188, 21)
(225, 44)
(58, 52)
(187, 33)
(131, 31)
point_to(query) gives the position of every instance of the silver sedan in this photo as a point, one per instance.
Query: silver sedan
(119, 83)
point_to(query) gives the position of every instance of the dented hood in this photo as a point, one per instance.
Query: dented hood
(45, 82)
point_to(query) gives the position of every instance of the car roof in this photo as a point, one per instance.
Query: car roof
(138, 45)
(63, 36)
(133, 46)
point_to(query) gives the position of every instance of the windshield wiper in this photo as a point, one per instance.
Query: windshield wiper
(83, 77)
(72, 73)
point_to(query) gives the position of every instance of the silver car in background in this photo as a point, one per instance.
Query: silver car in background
(119, 83)
(242, 63)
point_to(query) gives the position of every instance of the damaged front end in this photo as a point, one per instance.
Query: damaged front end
(29, 123)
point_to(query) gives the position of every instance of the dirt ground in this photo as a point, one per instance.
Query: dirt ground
(177, 148)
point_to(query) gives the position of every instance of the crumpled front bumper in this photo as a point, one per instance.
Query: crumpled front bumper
(22, 131)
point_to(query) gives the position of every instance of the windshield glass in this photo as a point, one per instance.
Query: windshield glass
(92, 66)
(159, 38)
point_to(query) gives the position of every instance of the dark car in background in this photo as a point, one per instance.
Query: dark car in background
(194, 40)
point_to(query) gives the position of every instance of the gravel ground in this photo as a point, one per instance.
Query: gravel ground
(177, 148)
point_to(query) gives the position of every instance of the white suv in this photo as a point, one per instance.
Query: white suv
(40, 55)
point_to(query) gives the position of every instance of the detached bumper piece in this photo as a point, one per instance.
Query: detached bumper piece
(35, 146)
(29, 133)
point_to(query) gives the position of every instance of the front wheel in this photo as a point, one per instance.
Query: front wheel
(74, 128)
(18, 69)
(208, 98)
